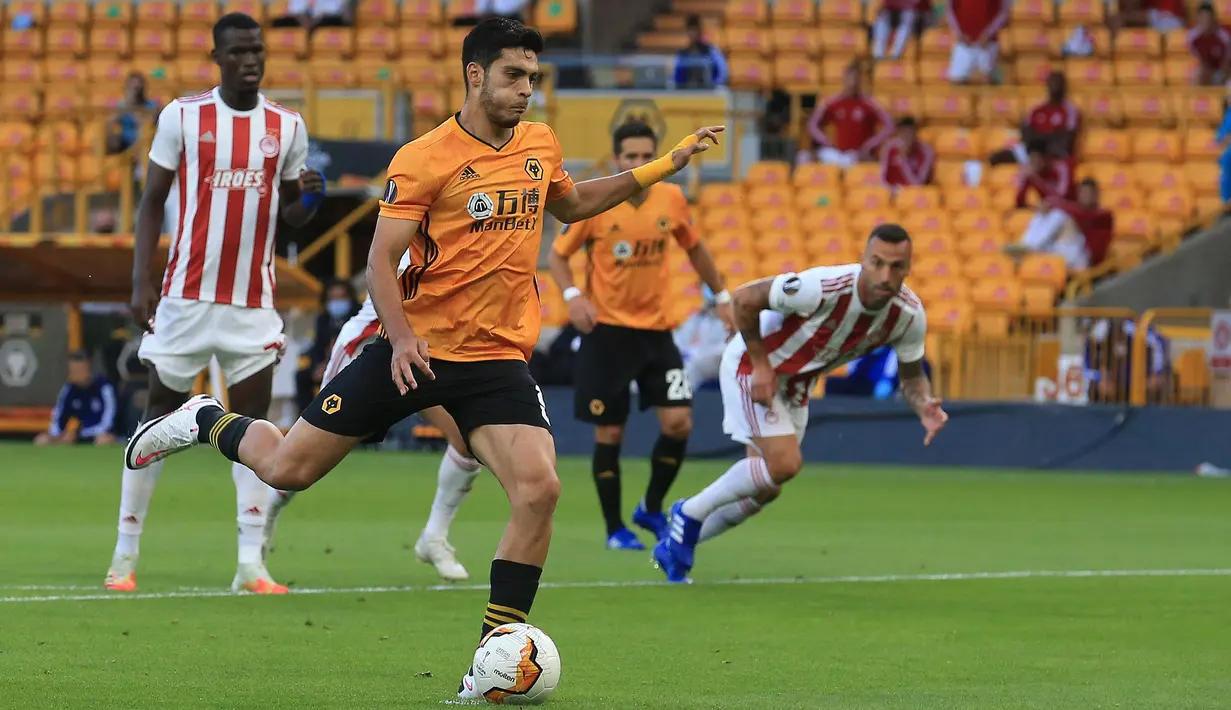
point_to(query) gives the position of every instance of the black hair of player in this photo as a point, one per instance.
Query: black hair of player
(908, 122)
(890, 233)
(233, 21)
(78, 356)
(631, 129)
(487, 41)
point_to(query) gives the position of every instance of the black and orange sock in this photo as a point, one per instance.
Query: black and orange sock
(222, 430)
(514, 585)
(605, 466)
(665, 463)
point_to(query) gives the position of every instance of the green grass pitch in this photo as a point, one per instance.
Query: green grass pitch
(787, 611)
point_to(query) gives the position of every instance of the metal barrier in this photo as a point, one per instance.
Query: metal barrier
(1169, 360)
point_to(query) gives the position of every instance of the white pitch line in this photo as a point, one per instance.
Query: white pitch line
(875, 579)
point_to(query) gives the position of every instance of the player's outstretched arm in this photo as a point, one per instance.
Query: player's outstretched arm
(150, 214)
(391, 240)
(596, 196)
(917, 391)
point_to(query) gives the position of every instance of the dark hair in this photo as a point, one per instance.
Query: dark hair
(484, 44)
(1036, 146)
(331, 283)
(79, 356)
(233, 21)
(1206, 7)
(631, 129)
(1089, 182)
(692, 22)
(889, 233)
(908, 122)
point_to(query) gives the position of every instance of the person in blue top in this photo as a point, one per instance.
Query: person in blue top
(124, 126)
(1224, 161)
(700, 65)
(86, 397)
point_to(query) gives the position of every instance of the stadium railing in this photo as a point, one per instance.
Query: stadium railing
(1185, 379)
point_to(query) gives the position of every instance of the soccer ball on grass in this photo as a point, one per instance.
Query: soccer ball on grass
(517, 664)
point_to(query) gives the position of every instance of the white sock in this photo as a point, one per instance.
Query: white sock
(252, 499)
(745, 479)
(727, 517)
(453, 482)
(135, 493)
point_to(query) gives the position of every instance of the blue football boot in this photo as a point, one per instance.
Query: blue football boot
(655, 523)
(624, 539)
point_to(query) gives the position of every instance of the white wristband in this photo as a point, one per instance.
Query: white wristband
(571, 292)
(723, 297)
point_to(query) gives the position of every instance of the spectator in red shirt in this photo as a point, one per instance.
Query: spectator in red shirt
(1046, 175)
(1210, 44)
(1079, 231)
(860, 125)
(976, 25)
(907, 16)
(1161, 15)
(1054, 122)
(906, 160)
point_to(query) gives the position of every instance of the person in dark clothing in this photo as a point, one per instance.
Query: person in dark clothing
(87, 398)
(338, 304)
(700, 65)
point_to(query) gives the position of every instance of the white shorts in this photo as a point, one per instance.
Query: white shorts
(187, 333)
(357, 333)
(968, 60)
(743, 420)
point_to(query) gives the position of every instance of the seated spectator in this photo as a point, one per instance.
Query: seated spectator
(976, 26)
(902, 18)
(338, 304)
(87, 398)
(311, 14)
(1079, 231)
(1054, 123)
(700, 65)
(1109, 363)
(1044, 174)
(124, 126)
(1210, 44)
(1161, 15)
(906, 160)
(860, 124)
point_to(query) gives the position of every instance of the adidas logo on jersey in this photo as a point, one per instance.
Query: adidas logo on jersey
(207, 137)
(468, 173)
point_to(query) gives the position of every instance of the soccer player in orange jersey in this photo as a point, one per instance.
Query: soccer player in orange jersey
(626, 316)
(467, 199)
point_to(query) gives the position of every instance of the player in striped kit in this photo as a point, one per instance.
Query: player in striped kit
(793, 328)
(458, 468)
(237, 161)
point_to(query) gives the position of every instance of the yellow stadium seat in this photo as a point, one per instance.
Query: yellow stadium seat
(950, 317)
(1139, 72)
(555, 17)
(1204, 177)
(157, 42)
(375, 72)
(1206, 205)
(330, 43)
(863, 222)
(793, 13)
(796, 40)
(1192, 377)
(832, 70)
(196, 74)
(868, 199)
(963, 199)
(15, 135)
(1000, 177)
(20, 102)
(947, 106)
(1101, 107)
(1180, 71)
(1110, 176)
(900, 73)
(1080, 12)
(419, 13)
(937, 42)
(989, 266)
(842, 42)
(1004, 199)
(768, 172)
(778, 221)
(460, 10)
(934, 72)
(1138, 43)
(732, 243)
(817, 175)
(110, 71)
(796, 72)
(36, 9)
(63, 102)
(157, 13)
(774, 244)
(926, 200)
(1089, 72)
(1127, 198)
(924, 220)
(252, 8)
(66, 41)
(1031, 71)
(197, 42)
(429, 103)
(1178, 203)
(746, 12)
(111, 41)
(1103, 144)
(749, 40)
(841, 12)
(1199, 144)
(934, 266)
(1157, 145)
(761, 197)
(1036, 40)
(1016, 221)
(950, 174)
(65, 72)
(26, 44)
(1001, 107)
(740, 269)
(1002, 294)
(829, 243)
(69, 12)
(713, 195)
(785, 263)
(933, 243)
(989, 241)
(201, 13)
(833, 258)
(286, 74)
(901, 101)
(970, 221)
(1038, 300)
(16, 70)
(421, 41)
(1202, 107)
(63, 136)
(862, 175)
(1148, 108)
(1153, 176)
(1136, 225)
(992, 322)
(377, 42)
(944, 290)
(725, 218)
(958, 144)
(372, 14)
(1040, 13)
(454, 38)
(105, 98)
(826, 223)
(750, 72)
(1043, 269)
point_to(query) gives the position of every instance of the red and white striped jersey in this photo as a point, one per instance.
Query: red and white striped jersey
(229, 168)
(818, 324)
